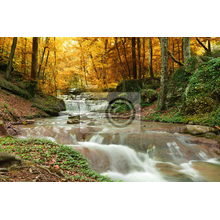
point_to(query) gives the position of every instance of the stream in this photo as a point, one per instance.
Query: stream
(139, 152)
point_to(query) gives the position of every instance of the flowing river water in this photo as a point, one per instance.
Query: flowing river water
(142, 151)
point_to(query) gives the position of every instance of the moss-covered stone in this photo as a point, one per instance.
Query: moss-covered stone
(131, 85)
(148, 95)
(199, 106)
(198, 129)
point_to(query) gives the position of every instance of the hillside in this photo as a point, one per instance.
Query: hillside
(16, 103)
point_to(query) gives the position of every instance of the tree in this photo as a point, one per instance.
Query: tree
(34, 66)
(9, 66)
(150, 49)
(164, 72)
(134, 59)
(186, 48)
(97, 61)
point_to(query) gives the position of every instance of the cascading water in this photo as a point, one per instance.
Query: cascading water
(85, 106)
(129, 155)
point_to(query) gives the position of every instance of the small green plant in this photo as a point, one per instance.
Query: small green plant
(5, 104)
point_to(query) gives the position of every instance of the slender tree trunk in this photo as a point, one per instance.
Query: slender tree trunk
(209, 47)
(83, 61)
(122, 68)
(9, 66)
(139, 56)
(42, 57)
(186, 48)
(173, 51)
(150, 56)
(144, 57)
(94, 67)
(34, 65)
(25, 61)
(134, 59)
(43, 74)
(178, 50)
(103, 62)
(129, 72)
(164, 72)
(54, 75)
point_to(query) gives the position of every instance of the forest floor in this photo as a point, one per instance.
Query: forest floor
(14, 106)
(45, 161)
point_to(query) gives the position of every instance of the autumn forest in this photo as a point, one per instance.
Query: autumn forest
(99, 62)
(110, 109)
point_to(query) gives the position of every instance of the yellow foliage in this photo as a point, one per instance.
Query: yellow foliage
(88, 61)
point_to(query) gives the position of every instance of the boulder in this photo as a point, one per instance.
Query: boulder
(3, 131)
(75, 117)
(131, 85)
(199, 105)
(148, 95)
(7, 159)
(61, 105)
(73, 121)
(199, 129)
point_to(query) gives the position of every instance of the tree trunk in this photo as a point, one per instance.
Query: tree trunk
(83, 61)
(9, 66)
(129, 72)
(139, 56)
(54, 75)
(43, 74)
(186, 48)
(150, 56)
(42, 57)
(164, 73)
(123, 75)
(34, 65)
(134, 59)
(143, 58)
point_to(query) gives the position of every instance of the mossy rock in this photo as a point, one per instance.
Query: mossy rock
(131, 85)
(148, 95)
(192, 64)
(201, 105)
(198, 129)
(177, 85)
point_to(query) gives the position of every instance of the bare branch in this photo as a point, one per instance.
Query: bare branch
(174, 59)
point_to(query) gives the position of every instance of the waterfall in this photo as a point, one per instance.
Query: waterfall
(85, 106)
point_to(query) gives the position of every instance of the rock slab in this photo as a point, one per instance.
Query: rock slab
(199, 129)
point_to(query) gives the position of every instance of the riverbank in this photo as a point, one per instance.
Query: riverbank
(17, 106)
(44, 161)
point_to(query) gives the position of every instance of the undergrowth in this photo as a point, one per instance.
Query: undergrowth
(42, 152)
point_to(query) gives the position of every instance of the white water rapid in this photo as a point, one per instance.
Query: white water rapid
(85, 106)
(128, 154)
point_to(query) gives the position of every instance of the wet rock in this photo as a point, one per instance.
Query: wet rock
(61, 105)
(75, 117)
(148, 95)
(99, 161)
(73, 121)
(13, 131)
(3, 131)
(198, 129)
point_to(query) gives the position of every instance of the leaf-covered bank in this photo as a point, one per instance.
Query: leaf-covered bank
(66, 162)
